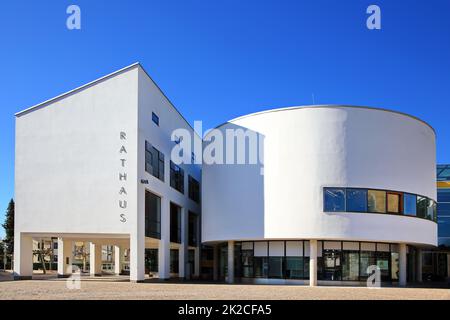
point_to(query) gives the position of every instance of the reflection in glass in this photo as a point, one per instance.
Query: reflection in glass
(350, 265)
(356, 200)
(410, 204)
(260, 267)
(367, 259)
(422, 205)
(275, 267)
(393, 202)
(334, 199)
(294, 267)
(377, 201)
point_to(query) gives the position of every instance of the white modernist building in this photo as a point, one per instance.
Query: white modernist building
(93, 165)
(340, 189)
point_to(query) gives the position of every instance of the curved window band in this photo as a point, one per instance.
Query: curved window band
(366, 200)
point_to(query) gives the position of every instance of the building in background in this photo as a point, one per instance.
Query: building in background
(436, 263)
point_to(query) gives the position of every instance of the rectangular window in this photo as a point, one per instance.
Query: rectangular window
(175, 223)
(174, 264)
(294, 267)
(192, 229)
(247, 260)
(193, 189)
(350, 265)
(261, 267)
(356, 200)
(275, 267)
(152, 215)
(431, 210)
(367, 258)
(394, 202)
(155, 119)
(334, 199)
(376, 201)
(422, 204)
(154, 161)
(151, 260)
(410, 204)
(176, 177)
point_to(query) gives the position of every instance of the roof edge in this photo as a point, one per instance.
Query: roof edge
(77, 89)
(325, 106)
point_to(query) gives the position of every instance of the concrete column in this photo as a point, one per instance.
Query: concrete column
(183, 251)
(95, 259)
(402, 265)
(216, 262)
(23, 257)
(312, 263)
(137, 242)
(418, 265)
(64, 257)
(164, 243)
(118, 259)
(230, 278)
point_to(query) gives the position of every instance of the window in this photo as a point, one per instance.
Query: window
(154, 161)
(152, 215)
(431, 210)
(394, 202)
(55, 245)
(367, 258)
(334, 199)
(176, 177)
(261, 267)
(247, 259)
(410, 204)
(155, 119)
(376, 201)
(350, 265)
(174, 255)
(151, 260)
(192, 229)
(356, 200)
(193, 189)
(422, 204)
(175, 223)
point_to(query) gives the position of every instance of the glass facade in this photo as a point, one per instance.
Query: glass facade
(443, 205)
(336, 260)
(380, 201)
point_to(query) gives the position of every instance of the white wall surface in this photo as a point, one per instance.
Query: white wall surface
(68, 162)
(306, 149)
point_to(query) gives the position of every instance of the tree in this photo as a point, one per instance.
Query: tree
(9, 227)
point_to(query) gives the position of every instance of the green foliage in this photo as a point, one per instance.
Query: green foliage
(8, 225)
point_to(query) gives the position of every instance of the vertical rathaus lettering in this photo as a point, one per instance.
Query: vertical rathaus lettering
(123, 203)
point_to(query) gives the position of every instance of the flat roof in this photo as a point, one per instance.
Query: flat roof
(327, 106)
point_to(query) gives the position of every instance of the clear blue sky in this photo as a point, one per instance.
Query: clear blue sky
(219, 59)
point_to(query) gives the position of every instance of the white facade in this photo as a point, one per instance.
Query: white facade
(306, 149)
(80, 158)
